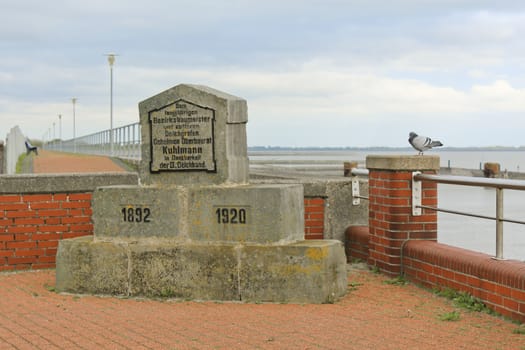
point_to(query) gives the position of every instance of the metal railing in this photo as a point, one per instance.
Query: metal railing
(417, 177)
(125, 143)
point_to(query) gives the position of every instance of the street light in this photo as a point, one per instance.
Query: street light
(60, 126)
(60, 130)
(74, 100)
(111, 61)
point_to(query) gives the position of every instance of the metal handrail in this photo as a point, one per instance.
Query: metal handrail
(498, 184)
(473, 181)
(359, 172)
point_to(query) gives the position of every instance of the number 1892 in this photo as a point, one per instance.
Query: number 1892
(137, 214)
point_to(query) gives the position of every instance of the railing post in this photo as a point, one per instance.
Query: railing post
(499, 223)
(391, 221)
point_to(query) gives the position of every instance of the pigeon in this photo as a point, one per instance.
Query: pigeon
(422, 143)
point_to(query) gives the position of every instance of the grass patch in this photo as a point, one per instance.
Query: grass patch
(167, 292)
(519, 330)
(450, 316)
(464, 300)
(353, 286)
(50, 288)
(20, 163)
(398, 281)
(469, 302)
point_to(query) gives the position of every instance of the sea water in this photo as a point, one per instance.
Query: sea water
(460, 231)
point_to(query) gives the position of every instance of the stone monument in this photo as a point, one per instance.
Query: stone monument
(194, 227)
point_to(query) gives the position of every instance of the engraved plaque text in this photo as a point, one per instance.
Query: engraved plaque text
(182, 138)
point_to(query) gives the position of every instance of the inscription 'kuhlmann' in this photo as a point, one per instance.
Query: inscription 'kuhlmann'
(181, 150)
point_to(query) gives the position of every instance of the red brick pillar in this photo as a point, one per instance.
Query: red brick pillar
(391, 222)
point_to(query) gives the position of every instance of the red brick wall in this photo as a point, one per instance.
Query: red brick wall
(32, 224)
(356, 244)
(314, 217)
(499, 284)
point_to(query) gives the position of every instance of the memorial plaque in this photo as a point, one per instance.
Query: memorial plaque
(182, 138)
(193, 226)
(193, 135)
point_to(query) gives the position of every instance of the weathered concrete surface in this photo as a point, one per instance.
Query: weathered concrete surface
(253, 213)
(402, 162)
(240, 213)
(61, 183)
(229, 136)
(85, 266)
(2, 170)
(188, 271)
(154, 212)
(307, 271)
(339, 211)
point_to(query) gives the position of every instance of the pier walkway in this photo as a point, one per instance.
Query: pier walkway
(375, 314)
(56, 162)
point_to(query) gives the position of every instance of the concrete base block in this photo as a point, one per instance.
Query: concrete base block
(85, 266)
(130, 211)
(262, 214)
(302, 272)
(206, 272)
(259, 214)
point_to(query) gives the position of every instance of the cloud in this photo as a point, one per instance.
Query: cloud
(318, 68)
(311, 95)
(481, 27)
(499, 96)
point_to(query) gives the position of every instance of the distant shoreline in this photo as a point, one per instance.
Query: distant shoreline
(384, 149)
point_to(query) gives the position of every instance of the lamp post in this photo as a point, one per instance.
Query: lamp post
(60, 130)
(74, 100)
(60, 127)
(111, 61)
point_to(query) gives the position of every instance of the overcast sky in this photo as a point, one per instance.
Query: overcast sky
(314, 72)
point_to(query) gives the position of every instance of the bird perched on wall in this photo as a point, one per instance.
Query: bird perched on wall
(422, 143)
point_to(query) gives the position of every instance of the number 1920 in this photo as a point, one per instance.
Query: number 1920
(231, 215)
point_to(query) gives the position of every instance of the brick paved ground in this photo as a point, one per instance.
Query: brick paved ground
(373, 315)
(56, 162)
